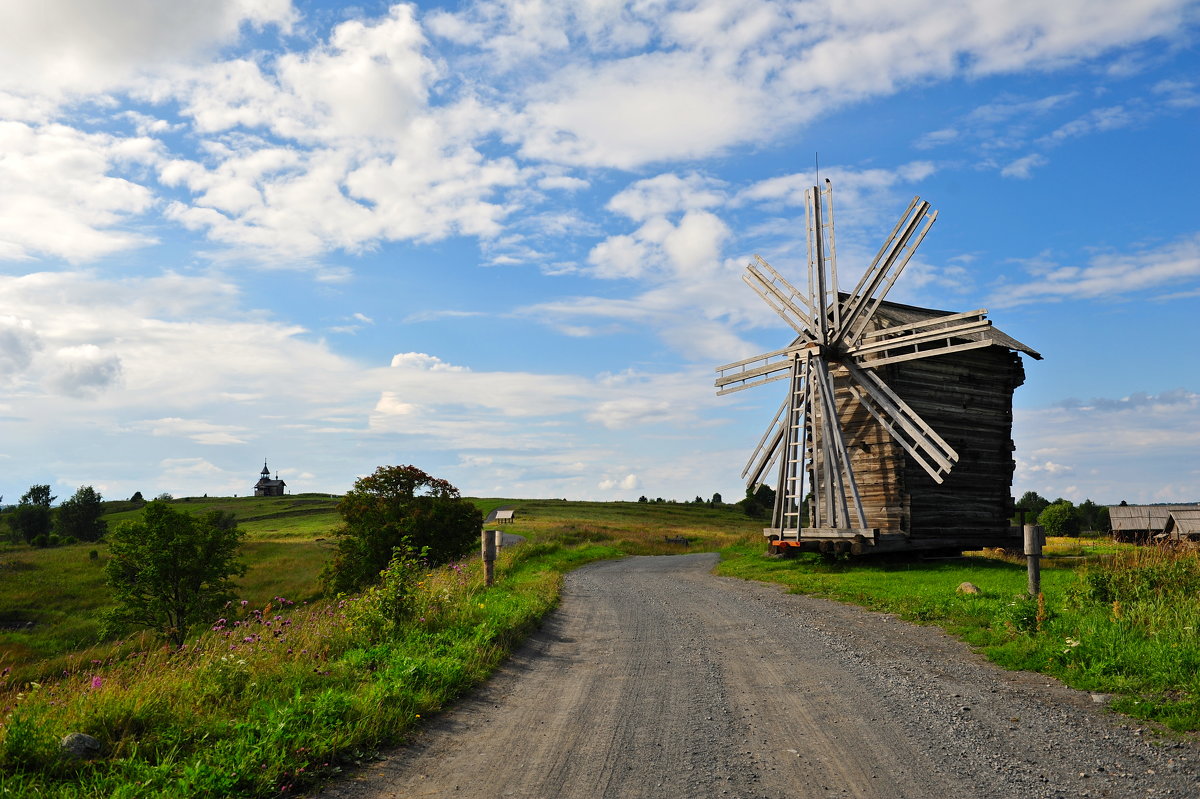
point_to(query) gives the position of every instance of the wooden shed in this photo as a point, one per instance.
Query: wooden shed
(1145, 523)
(966, 396)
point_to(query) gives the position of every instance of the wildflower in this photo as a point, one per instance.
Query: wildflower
(481, 605)
(245, 602)
(96, 682)
(418, 715)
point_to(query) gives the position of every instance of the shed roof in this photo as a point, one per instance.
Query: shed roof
(1185, 521)
(504, 514)
(1147, 517)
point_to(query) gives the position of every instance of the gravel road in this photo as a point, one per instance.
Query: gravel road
(657, 679)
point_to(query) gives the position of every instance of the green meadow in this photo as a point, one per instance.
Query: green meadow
(290, 687)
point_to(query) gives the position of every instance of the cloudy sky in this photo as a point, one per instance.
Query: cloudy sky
(501, 240)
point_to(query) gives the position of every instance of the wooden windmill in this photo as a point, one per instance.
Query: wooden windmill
(870, 384)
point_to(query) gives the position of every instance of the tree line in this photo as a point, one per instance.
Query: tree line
(1061, 517)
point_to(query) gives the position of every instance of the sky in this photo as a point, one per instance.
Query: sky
(502, 240)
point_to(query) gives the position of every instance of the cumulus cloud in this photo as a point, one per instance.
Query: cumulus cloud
(629, 482)
(59, 195)
(61, 48)
(18, 343)
(83, 371)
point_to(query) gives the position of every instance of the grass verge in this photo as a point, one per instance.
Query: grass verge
(275, 698)
(1119, 620)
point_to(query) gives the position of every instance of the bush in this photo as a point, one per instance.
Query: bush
(170, 570)
(398, 507)
(1060, 519)
(384, 607)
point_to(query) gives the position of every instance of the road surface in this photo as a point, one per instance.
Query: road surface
(657, 679)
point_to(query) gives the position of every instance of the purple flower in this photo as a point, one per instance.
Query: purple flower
(97, 682)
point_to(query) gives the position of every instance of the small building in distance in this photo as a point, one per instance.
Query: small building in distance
(266, 487)
(1154, 522)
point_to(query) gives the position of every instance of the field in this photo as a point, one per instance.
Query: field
(308, 684)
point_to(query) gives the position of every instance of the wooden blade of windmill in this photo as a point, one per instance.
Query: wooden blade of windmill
(778, 301)
(898, 258)
(749, 372)
(923, 335)
(862, 282)
(890, 261)
(904, 424)
(842, 470)
(818, 288)
(829, 253)
(793, 294)
(767, 449)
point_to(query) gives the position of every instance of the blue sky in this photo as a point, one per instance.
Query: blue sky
(502, 240)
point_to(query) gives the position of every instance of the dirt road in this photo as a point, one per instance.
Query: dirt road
(657, 679)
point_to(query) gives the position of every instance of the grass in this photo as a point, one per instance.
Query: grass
(1114, 618)
(285, 693)
(282, 694)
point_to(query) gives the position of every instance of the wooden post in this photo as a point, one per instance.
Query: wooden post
(488, 546)
(1033, 556)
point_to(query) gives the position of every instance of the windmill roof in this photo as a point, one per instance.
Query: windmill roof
(907, 314)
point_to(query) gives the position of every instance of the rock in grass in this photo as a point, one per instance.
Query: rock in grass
(968, 588)
(80, 745)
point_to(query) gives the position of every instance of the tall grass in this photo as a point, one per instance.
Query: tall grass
(1121, 620)
(273, 698)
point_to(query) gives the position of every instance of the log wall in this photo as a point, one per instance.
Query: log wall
(967, 398)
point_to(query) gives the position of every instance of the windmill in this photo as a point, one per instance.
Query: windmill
(839, 400)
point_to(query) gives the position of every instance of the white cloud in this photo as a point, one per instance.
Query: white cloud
(422, 362)
(59, 48)
(666, 194)
(1108, 275)
(59, 195)
(1023, 167)
(83, 370)
(18, 343)
(629, 482)
(1061, 454)
(198, 430)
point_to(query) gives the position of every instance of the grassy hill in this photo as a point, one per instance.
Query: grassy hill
(51, 600)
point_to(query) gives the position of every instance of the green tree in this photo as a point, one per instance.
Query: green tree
(170, 570)
(398, 507)
(759, 501)
(31, 517)
(1060, 519)
(1033, 503)
(1094, 517)
(80, 515)
(715, 501)
(137, 497)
